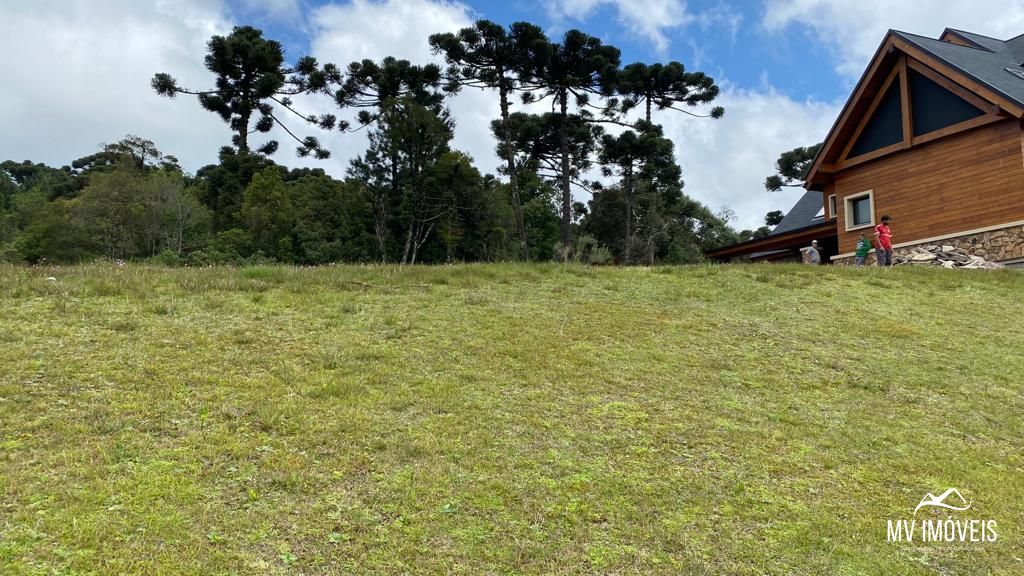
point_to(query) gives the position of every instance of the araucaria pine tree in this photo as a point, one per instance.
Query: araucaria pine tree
(573, 71)
(251, 79)
(486, 55)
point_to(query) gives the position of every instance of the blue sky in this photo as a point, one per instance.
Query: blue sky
(785, 68)
(720, 41)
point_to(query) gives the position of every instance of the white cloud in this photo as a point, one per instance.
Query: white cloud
(342, 33)
(76, 74)
(853, 30)
(105, 52)
(725, 161)
(649, 20)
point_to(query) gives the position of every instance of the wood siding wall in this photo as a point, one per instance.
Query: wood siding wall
(966, 181)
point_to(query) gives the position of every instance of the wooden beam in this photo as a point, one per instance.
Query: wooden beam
(876, 61)
(923, 139)
(957, 128)
(954, 37)
(874, 154)
(796, 238)
(908, 126)
(960, 78)
(867, 115)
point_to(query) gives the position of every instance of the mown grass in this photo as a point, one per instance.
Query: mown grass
(508, 419)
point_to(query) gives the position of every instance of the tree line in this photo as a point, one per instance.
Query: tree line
(409, 197)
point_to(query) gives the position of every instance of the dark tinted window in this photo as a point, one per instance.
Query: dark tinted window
(860, 209)
(933, 107)
(885, 127)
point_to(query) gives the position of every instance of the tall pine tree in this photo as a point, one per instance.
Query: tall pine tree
(251, 78)
(487, 55)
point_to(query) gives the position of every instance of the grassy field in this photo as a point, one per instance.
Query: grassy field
(505, 419)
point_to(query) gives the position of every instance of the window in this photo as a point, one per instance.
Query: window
(934, 107)
(885, 127)
(860, 210)
(832, 206)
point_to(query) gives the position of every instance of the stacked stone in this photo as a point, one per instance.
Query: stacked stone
(946, 256)
(1005, 244)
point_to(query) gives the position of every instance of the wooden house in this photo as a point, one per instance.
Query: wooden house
(933, 137)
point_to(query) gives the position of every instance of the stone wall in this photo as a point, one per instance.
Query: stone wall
(994, 246)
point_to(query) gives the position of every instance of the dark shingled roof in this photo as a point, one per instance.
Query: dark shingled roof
(802, 214)
(987, 65)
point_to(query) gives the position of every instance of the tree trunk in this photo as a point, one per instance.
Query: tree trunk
(380, 226)
(420, 240)
(513, 182)
(627, 256)
(648, 116)
(181, 226)
(246, 115)
(563, 137)
(408, 243)
(243, 135)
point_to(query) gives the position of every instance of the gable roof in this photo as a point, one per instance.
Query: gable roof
(803, 214)
(987, 66)
(979, 68)
(800, 225)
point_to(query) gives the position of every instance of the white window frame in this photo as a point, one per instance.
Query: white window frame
(847, 209)
(831, 206)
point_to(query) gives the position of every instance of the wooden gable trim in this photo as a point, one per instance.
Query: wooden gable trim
(908, 116)
(866, 118)
(873, 155)
(957, 128)
(958, 41)
(991, 102)
(960, 78)
(886, 47)
(923, 139)
(954, 37)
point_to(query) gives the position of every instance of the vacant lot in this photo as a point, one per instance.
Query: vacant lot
(505, 419)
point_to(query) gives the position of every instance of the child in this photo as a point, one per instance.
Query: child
(863, 247)
(884, 234)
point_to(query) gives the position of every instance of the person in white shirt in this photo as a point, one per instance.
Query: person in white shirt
(811, 254)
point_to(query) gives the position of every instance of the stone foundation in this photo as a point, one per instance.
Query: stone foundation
(995, 246)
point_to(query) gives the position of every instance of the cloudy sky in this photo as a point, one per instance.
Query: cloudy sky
(76, 72)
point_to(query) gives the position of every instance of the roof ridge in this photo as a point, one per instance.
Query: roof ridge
(1015, 95)
(976, 34)
(979, 47)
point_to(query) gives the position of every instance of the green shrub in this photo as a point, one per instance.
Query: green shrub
(167, 258)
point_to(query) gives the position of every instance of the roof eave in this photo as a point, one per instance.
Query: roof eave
(812, 174)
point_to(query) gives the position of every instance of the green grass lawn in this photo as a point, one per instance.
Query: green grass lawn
(508, 419)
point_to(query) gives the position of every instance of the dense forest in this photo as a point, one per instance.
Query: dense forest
(410, 197)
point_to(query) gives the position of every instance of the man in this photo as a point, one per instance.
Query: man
(863, 247)
(884, 235)
(811, 253)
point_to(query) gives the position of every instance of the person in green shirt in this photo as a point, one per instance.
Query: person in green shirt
(863, 247)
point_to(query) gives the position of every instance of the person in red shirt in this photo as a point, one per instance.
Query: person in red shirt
(884, 235)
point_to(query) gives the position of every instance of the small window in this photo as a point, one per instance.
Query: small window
(860, 210)
(832, 206)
